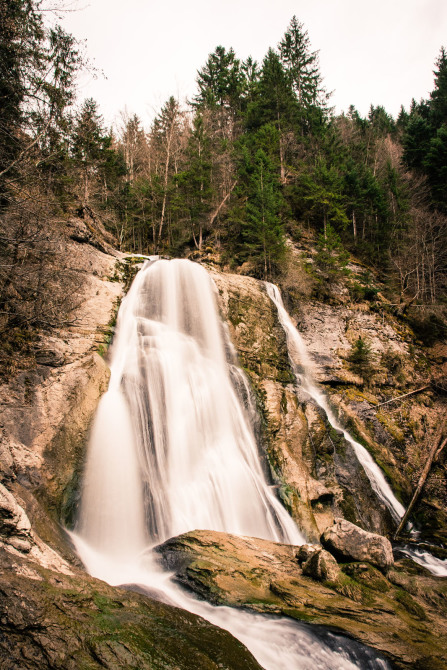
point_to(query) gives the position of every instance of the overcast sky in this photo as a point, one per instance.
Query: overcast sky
(371, 51)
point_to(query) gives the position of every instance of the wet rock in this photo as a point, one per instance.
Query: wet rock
(50, 621)
(358, 601)
(348, 542)
(321, 565)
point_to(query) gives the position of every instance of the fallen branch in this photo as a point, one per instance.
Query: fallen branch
(405, 395)
(435, 451)
(216, 212)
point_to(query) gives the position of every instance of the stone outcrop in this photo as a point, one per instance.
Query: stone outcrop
(315, 468)
(54, 621)
(350, 543)
(46, 410)
(54, 616)
(402, 616)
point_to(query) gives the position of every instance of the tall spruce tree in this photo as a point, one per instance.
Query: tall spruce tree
(90, 143)
(262, 230)
(221, 81)
(302, 65)
(38, 65)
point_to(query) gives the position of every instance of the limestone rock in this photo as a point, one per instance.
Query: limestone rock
(321, 565)
(13, 520)
(50, 621)
(348, 542)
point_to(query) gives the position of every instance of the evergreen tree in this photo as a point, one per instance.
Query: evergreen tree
(332, 258)
(221, 81)
(195, 192)
(438, 97)
(89, 147)
(37, 70)
(262, 231)
(275, 101)
(302, 65)
(424, 141)
(361, 356)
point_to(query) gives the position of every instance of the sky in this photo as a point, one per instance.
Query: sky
(379, 52)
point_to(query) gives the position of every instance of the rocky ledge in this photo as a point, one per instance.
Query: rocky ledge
(50, 620)
(401, 614)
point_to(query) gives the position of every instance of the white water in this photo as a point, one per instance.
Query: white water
(436, 566)
(302, 367)
(172, 450)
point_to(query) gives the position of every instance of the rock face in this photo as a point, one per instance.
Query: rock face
(317, 473)
(350, 543)
(47, 409)
(51, 621)
(402, 616)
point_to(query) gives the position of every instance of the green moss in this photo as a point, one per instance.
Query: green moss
(109, 331)
(348, 507)
(300, 615)
(346, 586)
(410, 605)
(391, 428)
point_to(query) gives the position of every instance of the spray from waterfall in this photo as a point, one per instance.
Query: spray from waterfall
(302, 367)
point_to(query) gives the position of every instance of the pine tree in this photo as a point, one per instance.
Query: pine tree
(90, 143)
(438, 97)
(221, 80)
(262, 230)
(332, 257)
(195, 192)
(37, 70)
(302, 66)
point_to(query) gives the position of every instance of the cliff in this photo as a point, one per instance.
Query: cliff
(47, 408)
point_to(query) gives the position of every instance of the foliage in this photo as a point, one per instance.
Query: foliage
(331, 257)
(361, 355)
(257, 149)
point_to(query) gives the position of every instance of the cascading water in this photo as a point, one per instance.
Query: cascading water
(172, 449)
(303, 371)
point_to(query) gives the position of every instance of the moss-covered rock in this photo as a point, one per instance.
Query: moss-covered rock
(403, 617)
(50, 621)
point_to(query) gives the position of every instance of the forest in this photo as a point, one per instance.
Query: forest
(257, 158)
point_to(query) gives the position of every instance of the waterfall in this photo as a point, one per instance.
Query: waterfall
(302, 368)
(173, 449)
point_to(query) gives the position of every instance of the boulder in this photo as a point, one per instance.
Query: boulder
(305, 551)
(347, 542)
(321, 565)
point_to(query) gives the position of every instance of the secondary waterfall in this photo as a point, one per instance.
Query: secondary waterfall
(173, 449)
(302, 367)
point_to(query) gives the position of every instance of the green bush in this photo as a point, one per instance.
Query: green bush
(361, 356)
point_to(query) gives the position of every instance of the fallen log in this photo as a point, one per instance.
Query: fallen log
(405, 395)
(435, 452)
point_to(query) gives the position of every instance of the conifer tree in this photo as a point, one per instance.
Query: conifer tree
(262, 230)
(90, 143)
(37, 70)
(195, 191)
(302, 65)
(221, 80)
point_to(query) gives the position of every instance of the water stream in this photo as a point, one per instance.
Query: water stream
(302, 368)
(173, 449)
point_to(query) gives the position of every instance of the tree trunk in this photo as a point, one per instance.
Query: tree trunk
(436, 449)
